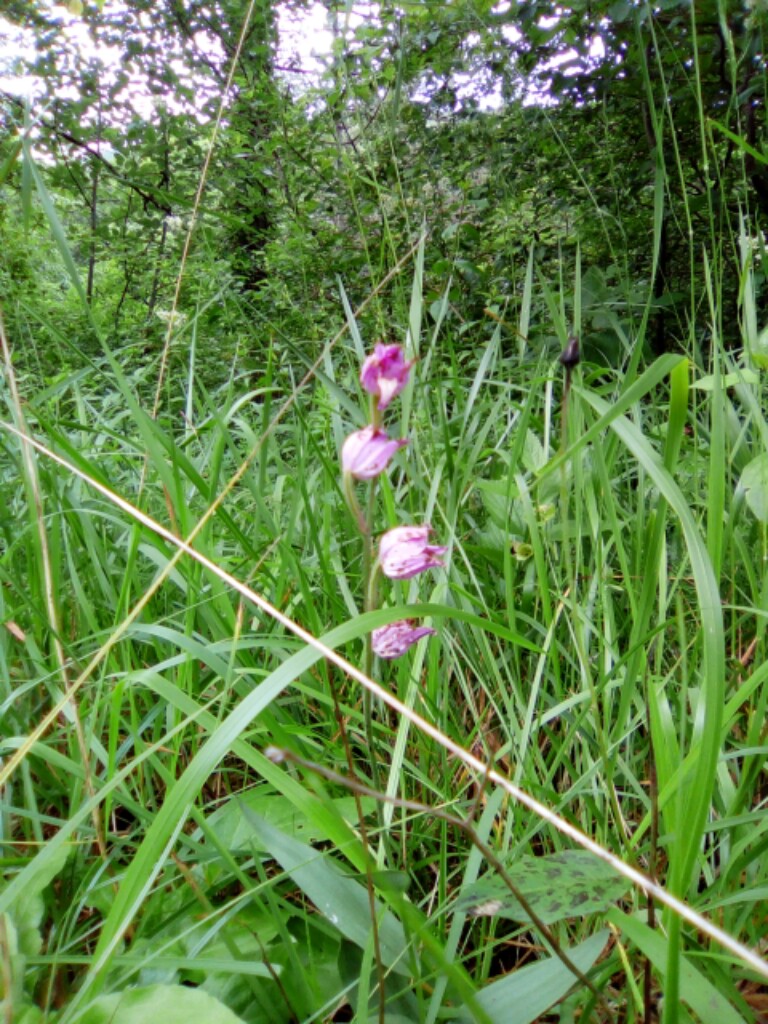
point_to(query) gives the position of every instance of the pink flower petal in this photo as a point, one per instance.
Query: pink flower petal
(367, 452)
(394, 640)
(385, 373)
(404, 552)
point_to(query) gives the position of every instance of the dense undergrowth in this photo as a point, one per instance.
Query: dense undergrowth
(600, 643)
(199, 822)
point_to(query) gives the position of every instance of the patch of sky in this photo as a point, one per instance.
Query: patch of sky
(307, 38)
(99, 46)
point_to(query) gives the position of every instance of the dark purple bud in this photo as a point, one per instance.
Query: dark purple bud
(571, 356)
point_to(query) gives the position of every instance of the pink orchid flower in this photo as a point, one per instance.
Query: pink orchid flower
(385, 373)
(366, 453)
(404, 552)
(395, 639)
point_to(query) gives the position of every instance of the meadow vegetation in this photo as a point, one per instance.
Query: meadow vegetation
(217, 803)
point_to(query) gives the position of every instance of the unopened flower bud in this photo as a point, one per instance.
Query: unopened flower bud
(571, 356)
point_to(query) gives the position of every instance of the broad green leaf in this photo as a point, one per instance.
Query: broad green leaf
(560, 885)
(727, 380)
(234, 831)
(343, 900)
(758, 350)
(27, 910)
(28, 1015)
(169, 1004)
(754, 484)
(522, 996)
(619, 11)
(496, 496)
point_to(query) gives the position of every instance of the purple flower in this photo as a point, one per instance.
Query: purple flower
(404, 552)
(366, 453)
(393, 640)
(385, 373)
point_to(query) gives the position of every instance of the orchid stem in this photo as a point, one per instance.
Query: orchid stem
(370, 574)
(354, 505)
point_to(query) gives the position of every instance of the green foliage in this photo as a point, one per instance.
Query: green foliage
(523, 996)
(602, 636)
(754, 485)
(172, 1003)
(556, 886)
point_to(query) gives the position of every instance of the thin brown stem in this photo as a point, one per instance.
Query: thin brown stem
(279, 755)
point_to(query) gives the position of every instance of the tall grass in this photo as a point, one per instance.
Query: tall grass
(180, 595)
